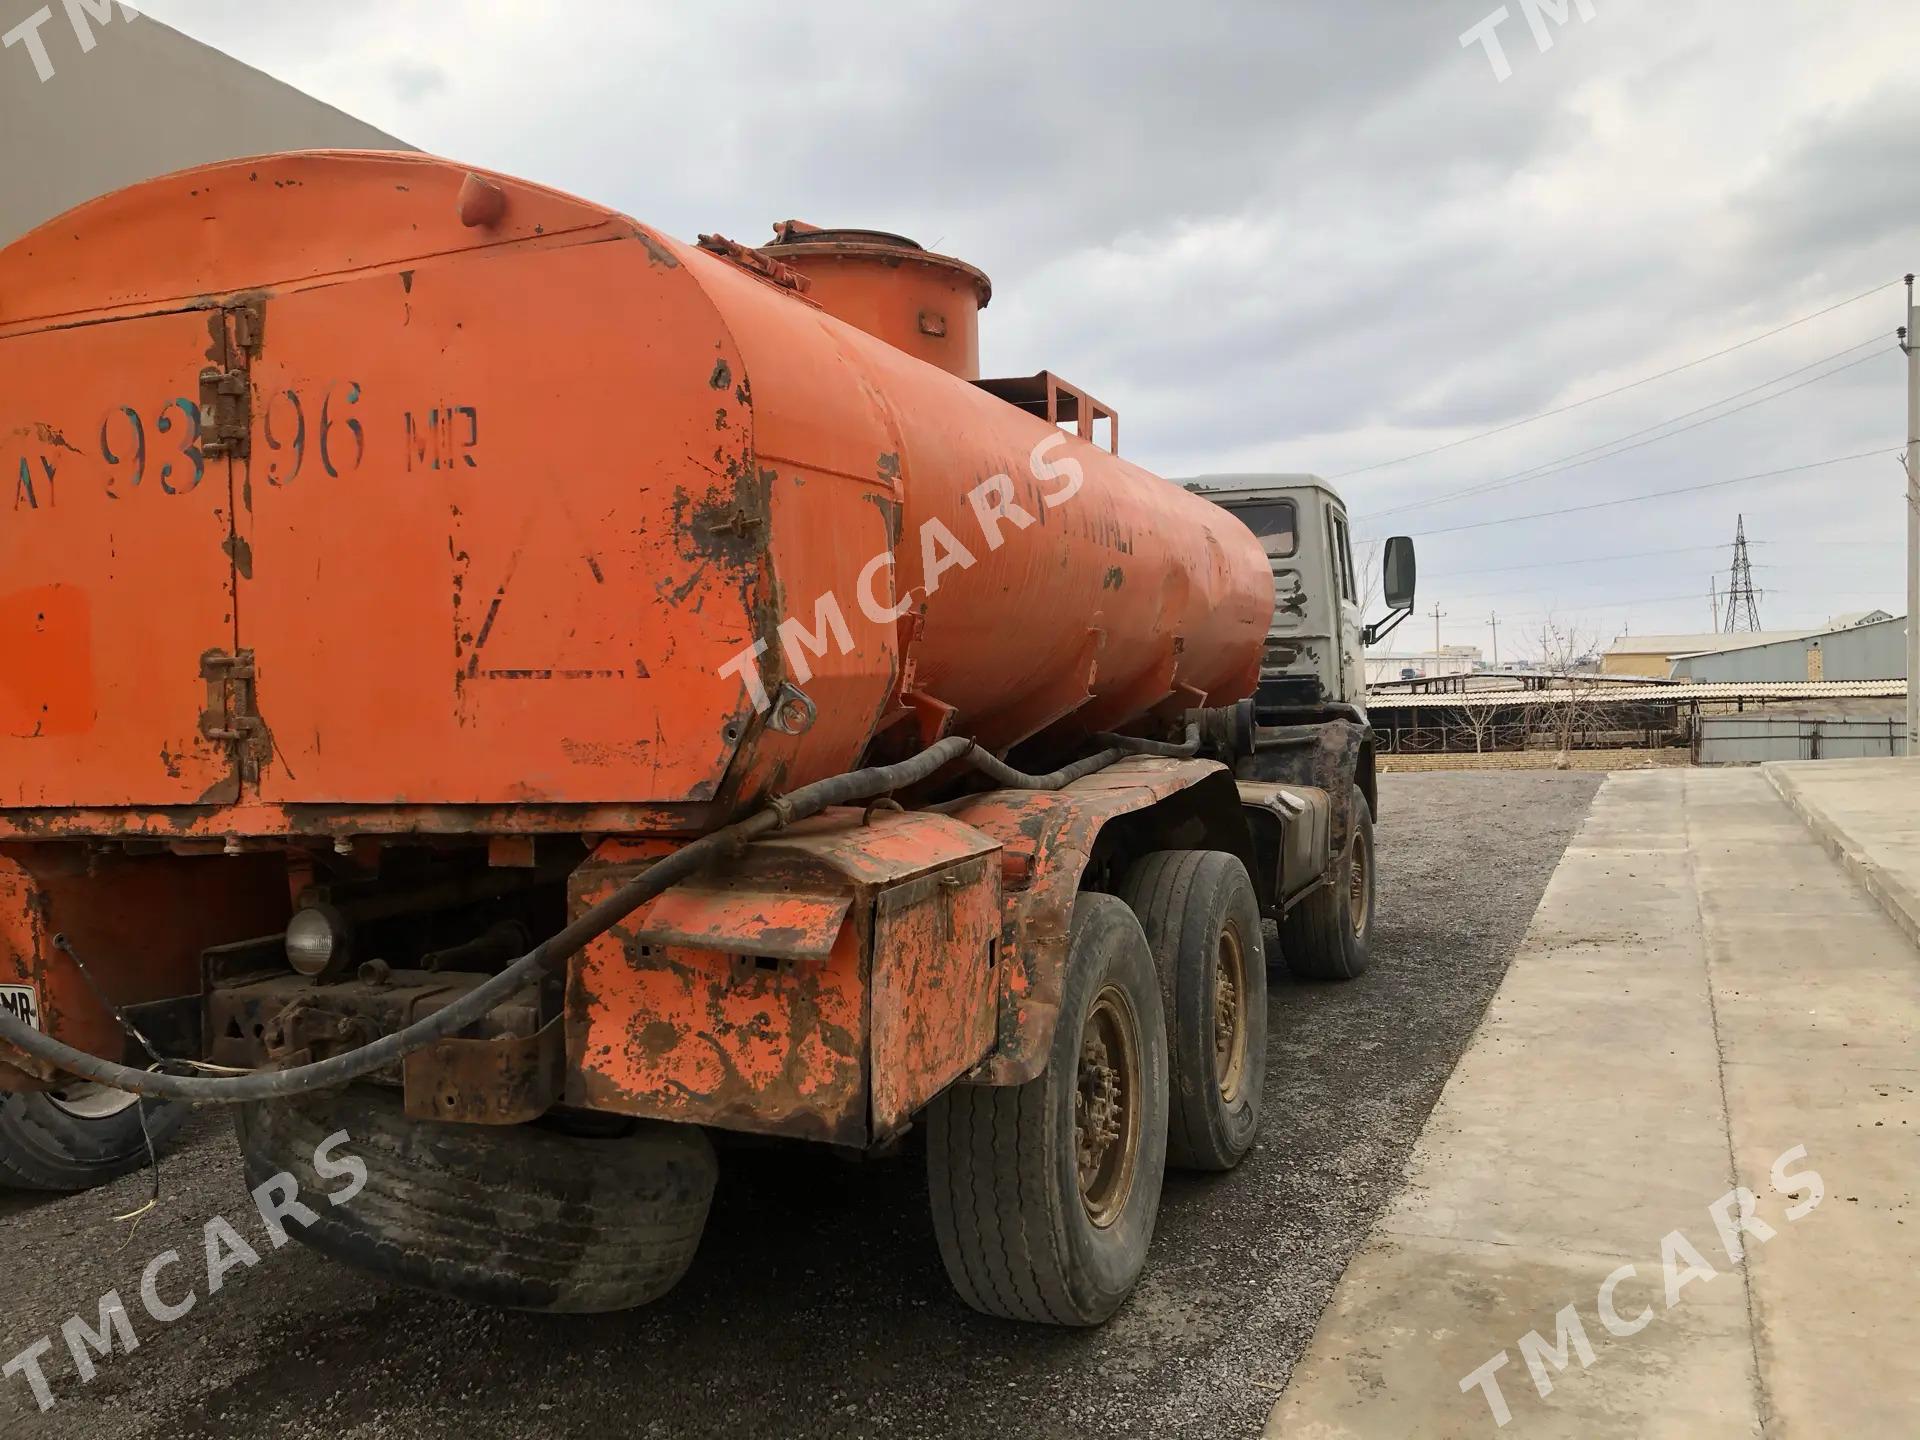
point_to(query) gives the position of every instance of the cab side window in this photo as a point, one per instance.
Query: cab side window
(1342, 555)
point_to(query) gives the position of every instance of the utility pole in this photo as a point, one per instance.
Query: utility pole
(1438, 616)
(1493, 620)
(1910, 342)
(1713, 599)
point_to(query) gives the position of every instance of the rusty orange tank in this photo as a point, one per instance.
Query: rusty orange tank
(488, 497)
(403, 559)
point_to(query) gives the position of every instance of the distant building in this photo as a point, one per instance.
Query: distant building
(1866, 649)
(1653, 655)
(135, 100)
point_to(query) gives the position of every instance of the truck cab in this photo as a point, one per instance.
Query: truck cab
(1314, 656)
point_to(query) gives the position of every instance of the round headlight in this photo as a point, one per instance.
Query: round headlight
(317, 940)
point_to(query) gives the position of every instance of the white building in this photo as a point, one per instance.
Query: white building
(1383, 666)
(88, 105)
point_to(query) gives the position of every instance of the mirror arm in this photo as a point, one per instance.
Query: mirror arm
(1380, 629)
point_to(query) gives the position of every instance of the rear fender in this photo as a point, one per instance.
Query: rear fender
(824, 984)
(1056, 843)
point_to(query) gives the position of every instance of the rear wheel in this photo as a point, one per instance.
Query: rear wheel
(1202, 922)
(79, 1136)
(1045, 1194)
(1327, 935)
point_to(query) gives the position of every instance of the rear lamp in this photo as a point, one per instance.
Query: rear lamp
(318, 941)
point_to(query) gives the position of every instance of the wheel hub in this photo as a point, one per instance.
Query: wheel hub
(1359, 898)
(1229, 1016)
(1106, 1107)
(85, 1100)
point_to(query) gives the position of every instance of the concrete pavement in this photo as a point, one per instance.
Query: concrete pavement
(1867, 814)
(1702, 993)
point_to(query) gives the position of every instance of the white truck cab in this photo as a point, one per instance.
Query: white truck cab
(1314, 647)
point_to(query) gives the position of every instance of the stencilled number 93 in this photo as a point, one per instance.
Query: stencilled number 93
(123, 445)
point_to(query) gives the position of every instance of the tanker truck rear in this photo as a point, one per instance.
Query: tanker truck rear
(510, 694)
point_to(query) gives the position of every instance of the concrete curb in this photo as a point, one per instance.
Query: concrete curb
(1899, 899)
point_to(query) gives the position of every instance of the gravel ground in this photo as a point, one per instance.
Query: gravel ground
(818, 1305)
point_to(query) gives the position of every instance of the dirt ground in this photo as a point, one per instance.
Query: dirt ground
(818, 1306)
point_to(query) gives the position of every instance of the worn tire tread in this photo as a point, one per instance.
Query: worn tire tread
(997, 1220)
(525, 1219)
(1315, 935)
(1162, 887)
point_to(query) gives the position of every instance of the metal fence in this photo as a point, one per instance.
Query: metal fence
(1748, 739)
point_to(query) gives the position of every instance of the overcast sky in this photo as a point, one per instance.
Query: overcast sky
(1300, 235)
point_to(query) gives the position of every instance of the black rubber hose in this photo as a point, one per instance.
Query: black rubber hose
(1182, 750)
(1119, 747)
(330, 1074)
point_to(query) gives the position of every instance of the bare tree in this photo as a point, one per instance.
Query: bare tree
(1569, 708)
(1371, 579)
(1479, 721)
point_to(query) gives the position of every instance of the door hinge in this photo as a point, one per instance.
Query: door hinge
(232, 714)
(226, 413)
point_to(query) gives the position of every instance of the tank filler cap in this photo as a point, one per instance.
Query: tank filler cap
(799, 232)
(798, 239)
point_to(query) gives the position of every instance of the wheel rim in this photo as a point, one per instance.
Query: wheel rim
(84, 1100)
(1106, 1106)
(1229, 1015)
(1359, 885)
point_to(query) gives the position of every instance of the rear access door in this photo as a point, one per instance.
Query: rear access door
(116, 565)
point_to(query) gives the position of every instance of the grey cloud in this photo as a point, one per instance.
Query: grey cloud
(416, 79)
(1315, 234)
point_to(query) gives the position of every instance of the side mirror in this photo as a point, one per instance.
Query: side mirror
(1397, 573)
(1396, 580)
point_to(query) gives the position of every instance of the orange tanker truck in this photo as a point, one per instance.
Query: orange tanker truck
(539, 697)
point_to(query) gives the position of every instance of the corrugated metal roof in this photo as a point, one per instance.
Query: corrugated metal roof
(1618, 694)
(1671, 645)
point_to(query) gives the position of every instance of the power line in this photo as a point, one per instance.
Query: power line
(1588, 560)
(1651, 494)
(1573, 607)
(1591, 454)
(1526, 590)
(1617, 390)
(1677, 550)
(1530, 590)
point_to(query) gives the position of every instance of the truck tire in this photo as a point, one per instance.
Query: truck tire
(1202, 922)
(521, 1217)
(1045, 1194)
(79, 1137)
(1325, 936)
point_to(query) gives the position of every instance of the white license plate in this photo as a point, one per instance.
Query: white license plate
(22, 1003)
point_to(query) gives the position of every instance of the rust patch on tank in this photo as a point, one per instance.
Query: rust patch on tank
(657, 253)
(48, 435)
